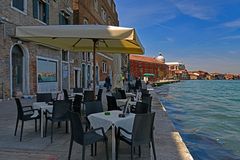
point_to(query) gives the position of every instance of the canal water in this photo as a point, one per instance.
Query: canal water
(207, 115)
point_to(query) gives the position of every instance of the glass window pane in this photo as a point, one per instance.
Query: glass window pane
(19, 4)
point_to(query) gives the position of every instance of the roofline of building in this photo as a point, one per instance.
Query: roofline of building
(173, 63)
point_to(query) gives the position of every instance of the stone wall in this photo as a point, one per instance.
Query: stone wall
(12, 18)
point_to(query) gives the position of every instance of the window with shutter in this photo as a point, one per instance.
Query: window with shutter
(63, 18)
(41, 10)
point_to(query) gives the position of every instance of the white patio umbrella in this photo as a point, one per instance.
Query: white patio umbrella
(90, 38)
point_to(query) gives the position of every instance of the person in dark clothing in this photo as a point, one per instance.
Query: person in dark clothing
(107, 83)
(138, 84)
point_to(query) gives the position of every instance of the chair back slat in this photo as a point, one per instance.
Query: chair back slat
(93, 107)
(140, 135)
(112, 103)
(123, 93)
(117, 95)
(19, 108)
(99, 95)
(77, 132)
(44, 97)
(141, 108)
(60, 109)
(89, 96)
(148, 100)
(77, 103)
(65, 92)
(77, 90)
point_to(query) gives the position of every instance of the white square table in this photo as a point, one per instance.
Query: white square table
(43, 106)
(129, 94)
(113, 120)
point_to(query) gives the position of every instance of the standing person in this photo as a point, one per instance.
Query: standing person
(107, 83)
(138, 84)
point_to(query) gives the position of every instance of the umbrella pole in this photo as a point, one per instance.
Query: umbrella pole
(94, 64)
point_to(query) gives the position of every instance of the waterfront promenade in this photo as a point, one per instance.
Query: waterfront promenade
(169, 145)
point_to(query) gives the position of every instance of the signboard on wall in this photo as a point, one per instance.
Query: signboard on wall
(47, 71)
(47, 75)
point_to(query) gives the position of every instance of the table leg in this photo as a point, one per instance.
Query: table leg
(42, 123)
(113, 143)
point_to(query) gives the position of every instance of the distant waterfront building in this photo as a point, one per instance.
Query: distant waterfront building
(218, 76)
(199, 75)
(153, 68)
(177, 70)
(193, 76)
(230, 76)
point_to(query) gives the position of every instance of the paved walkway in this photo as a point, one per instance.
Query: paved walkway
(169, 145)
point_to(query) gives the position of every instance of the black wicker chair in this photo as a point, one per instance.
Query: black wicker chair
(84, 138)
(99, 95)
(25, 113)
(148, 100)
(65, 92)
(44, 97)
(112, 103)
(77, 90)
(59, 114)
(88, 96)
(77, 103)
(140, 108)
(139, 136)
(123, 93)
(92, 107)
(117, 95)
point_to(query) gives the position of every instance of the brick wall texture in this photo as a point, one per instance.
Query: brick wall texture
(11, 17)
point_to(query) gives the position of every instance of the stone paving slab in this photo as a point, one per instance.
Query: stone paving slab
(168, 142)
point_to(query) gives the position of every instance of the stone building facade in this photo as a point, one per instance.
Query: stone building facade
(27, 68)
(99, 12)
(23, 63)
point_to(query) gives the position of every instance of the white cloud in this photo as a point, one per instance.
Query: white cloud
(233, 24)
(194, 9)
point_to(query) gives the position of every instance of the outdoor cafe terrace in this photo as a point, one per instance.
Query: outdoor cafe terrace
(168, 143)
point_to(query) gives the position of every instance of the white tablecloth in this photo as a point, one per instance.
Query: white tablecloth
(129, 94)
(73, 94)
(113, 120)
(42, 105)
(121, 102)
(106, 121)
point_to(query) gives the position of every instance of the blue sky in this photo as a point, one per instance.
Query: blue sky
(203, 34)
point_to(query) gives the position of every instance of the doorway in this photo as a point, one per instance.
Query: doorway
(17, 70)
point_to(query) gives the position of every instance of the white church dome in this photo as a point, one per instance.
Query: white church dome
(160, 58)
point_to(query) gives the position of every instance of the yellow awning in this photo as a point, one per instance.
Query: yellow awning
(110, 39)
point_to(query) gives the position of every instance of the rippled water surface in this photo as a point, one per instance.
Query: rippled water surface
(207, 115)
